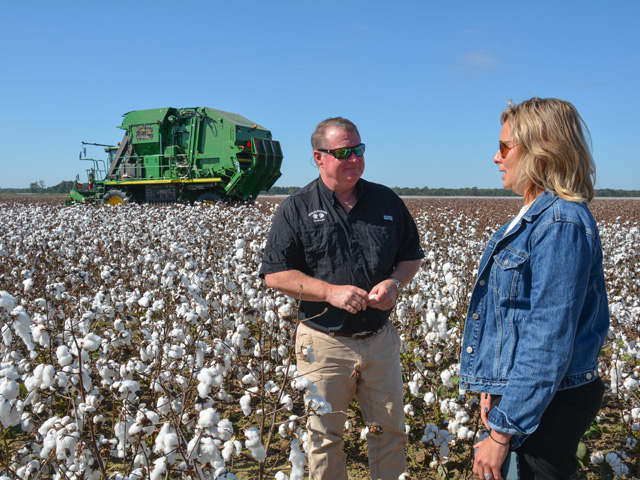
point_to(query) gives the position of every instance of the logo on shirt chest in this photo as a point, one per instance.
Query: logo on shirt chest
(318, 216)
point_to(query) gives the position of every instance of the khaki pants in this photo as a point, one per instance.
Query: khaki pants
(341, 369)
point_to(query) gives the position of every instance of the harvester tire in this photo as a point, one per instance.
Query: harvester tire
(209, 197)
(118, 197)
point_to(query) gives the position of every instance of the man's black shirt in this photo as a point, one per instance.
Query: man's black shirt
(314, 234)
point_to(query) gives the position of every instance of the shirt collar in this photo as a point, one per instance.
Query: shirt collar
(331, 195)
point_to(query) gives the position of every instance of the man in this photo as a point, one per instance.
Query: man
(345, 247)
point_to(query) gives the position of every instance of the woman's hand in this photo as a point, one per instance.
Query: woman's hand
(485, 408)
(490, 455)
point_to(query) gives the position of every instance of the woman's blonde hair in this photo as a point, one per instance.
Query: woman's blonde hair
(555, 154)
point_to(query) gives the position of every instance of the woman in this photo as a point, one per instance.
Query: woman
(538, 315)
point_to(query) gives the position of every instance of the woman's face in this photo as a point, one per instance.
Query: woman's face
(509, 164)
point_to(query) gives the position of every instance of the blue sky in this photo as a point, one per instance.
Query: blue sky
(425, 81)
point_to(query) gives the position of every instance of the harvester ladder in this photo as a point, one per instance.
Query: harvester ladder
(100, 188)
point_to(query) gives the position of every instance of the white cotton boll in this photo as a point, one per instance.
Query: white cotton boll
(63, 355)
(159, 469)
(245, 404)
(163, 405)
(317, 404)
(283, 350)
(303, 383)
(176, 352)
(35, 380)
(9, 389)
(270, 317)
(7, 301)
(250, 379)
(445, 376)
(308, 354)
(227, 451)
(254, 444)
(40, 335)
(281, 476)
(631, 384)
(464, 433)
(203, 390)
(225, 429)
(48, 376)
(91, 342)
(66, 443)
(408, 410)
(597, 458)
(144, 302)
(166, 441)
(208, 418)
(414, 388)
(204, 449)
(239, 255)
(7, 335)
(285, 310)
(298, 460)
(271, 387)
(22, 327)
(127, 389)
(287, 401)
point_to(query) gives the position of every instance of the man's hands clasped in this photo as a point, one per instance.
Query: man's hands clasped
(353, 299)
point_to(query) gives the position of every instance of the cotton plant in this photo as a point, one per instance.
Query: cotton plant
(151, 323)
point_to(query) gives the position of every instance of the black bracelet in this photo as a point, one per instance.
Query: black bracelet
(501, 443)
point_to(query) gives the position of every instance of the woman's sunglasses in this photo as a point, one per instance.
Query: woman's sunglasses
(504, 148)
(344, 152)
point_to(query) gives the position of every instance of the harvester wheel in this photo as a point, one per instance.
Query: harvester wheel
(209, 197)
(118, 197)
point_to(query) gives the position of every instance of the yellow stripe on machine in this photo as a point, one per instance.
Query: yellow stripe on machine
(148, 182)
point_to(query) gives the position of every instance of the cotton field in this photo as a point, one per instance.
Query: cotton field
(138, 342)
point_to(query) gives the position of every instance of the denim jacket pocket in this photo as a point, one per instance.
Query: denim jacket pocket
(508, 269)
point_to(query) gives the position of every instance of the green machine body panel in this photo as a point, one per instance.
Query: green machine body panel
(171, 154)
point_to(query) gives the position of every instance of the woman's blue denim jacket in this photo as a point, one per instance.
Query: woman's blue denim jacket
(538, 314)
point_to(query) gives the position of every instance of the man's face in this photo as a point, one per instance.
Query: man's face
(339, 175)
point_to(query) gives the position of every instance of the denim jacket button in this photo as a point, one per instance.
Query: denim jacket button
(469, 349)
(481, 282)
(589, 376)
(475, 316)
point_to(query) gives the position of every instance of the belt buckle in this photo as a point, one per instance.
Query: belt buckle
(363, 335)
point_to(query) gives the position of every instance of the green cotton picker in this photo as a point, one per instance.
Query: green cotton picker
(173, 155)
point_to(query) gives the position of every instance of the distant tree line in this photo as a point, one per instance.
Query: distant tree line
(40, 187)
(67, 185)
(464, 192)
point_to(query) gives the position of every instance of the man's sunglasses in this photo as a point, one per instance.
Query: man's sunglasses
(344, 152)
(504, 148)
